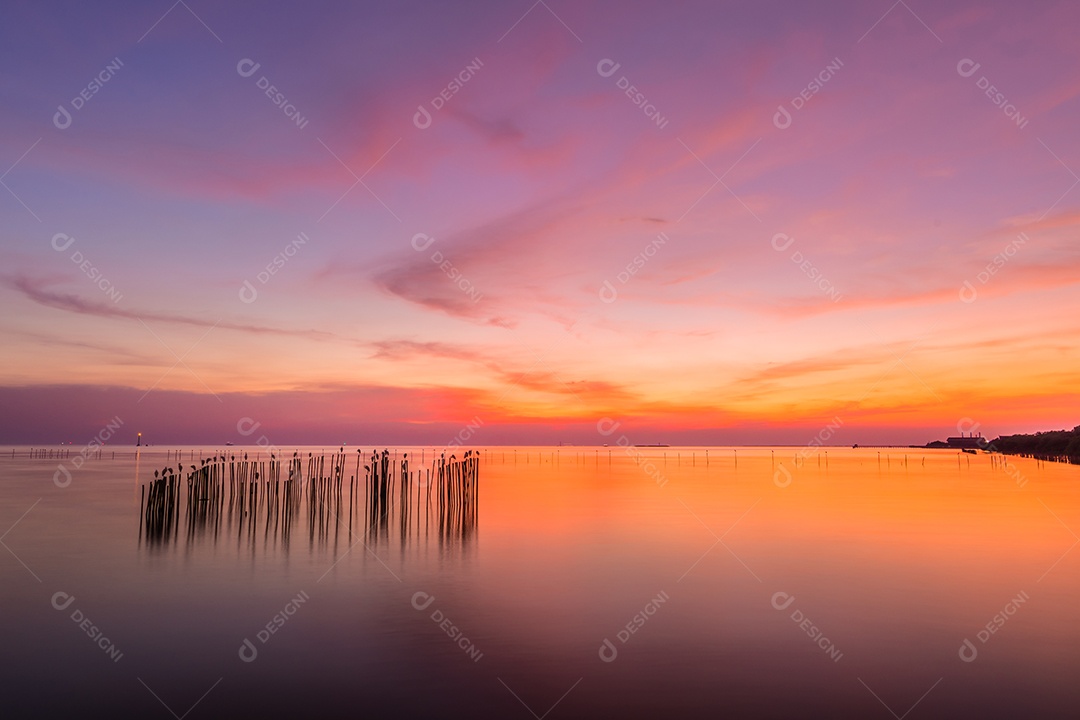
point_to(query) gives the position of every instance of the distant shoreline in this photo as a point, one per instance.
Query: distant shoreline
(1052, 446)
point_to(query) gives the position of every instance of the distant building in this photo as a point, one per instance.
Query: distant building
(967, 442)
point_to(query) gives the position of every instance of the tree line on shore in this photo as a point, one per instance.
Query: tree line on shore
(1052, 443)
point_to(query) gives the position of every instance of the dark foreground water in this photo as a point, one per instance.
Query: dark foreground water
(921, 585)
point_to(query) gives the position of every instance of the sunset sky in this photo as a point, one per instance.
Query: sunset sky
(711, 222)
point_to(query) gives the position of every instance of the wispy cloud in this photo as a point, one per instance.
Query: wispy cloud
(38, 291)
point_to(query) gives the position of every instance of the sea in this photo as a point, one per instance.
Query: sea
(558, 582)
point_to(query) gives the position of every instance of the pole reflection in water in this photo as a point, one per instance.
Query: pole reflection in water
(268, 500)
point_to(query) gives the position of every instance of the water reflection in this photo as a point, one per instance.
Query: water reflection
(266, 503)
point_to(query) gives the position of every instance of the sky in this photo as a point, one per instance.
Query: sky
(410, 222)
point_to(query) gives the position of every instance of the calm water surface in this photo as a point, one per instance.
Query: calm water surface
(591, 583)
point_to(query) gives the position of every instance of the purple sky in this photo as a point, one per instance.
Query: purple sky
(729, 223)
